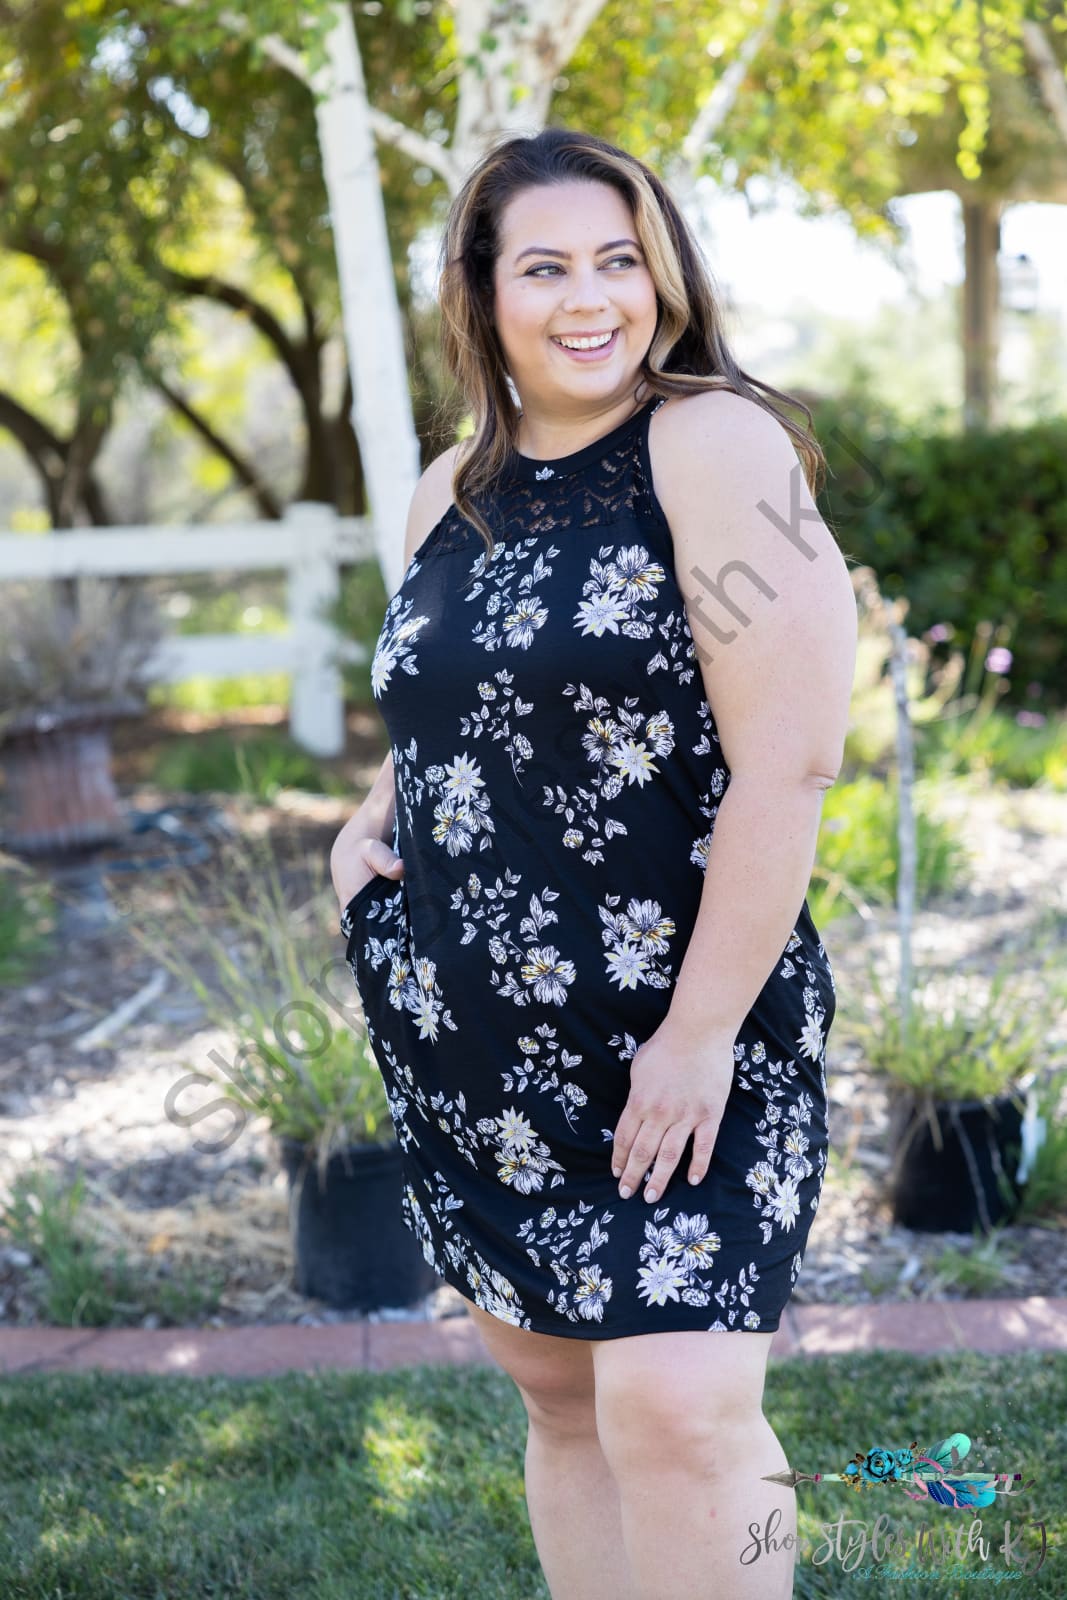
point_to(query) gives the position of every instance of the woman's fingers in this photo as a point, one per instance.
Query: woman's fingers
(704, 1136)
(671, 1147)
(636, 1143)
(361, 860)
(658, 1142)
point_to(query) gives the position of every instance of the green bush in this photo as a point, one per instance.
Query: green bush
(968, 1040)
(1045, 1189)
(259, 765)
(210, 696)
(27, 921)
(969, 526)
(858, 855)
(73, 1281)
(997, 746)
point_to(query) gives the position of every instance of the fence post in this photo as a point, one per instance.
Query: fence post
(316, 707)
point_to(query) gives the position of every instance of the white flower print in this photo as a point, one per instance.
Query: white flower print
(783, 1204)
(675, 1253)
(523, 1158)
(637, 941)
(534, 970)
(497, 715)
(521, 624)
(592, 1294)
(776, 1177)
(393, 648)
(794, 1146)
(511, 592)
(412, 986)
(605, 613)
(679, 653)
(811, 1040)
(692, 1240)
(546, 974)
(622, 593)
(411, 980)
(538, 1071)
(584, 1289)
(415, 1218)
(462, 813)
(661, 1281)
(491, 1289)
(621, 745)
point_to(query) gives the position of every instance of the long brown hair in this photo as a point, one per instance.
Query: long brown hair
(688, 353)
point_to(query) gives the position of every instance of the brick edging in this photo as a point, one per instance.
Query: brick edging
(992, 1327)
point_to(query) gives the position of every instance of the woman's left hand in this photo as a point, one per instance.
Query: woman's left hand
(677, 1088)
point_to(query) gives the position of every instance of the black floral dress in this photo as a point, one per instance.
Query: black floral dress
(558, 775)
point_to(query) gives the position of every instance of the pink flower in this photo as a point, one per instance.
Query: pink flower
(938, 633)
(1029, 719)
(998, 659)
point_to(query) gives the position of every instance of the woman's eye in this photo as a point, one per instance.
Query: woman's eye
(536, 271)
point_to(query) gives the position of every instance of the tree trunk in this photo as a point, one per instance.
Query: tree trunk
(374, 338)
(981, 311)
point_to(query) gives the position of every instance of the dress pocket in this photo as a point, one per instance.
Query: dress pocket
(355, 905)
(354, 928)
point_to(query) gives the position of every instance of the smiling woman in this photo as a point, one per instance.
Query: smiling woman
(598, 969)
(575, 318)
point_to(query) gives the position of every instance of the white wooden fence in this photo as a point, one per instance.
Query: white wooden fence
(311, 542)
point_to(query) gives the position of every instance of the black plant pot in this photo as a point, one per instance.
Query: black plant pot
(962, 1175)
(350, 1243)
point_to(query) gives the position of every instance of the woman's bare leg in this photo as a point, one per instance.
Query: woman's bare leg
(571, 1496)
(681, 1422)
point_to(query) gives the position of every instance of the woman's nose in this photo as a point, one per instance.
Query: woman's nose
(586, 289)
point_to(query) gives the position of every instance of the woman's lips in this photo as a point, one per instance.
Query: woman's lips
(596, 354)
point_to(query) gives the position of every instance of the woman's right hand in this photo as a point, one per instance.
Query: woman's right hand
(355, 861)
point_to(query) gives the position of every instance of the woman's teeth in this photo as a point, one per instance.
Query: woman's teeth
(598, 343)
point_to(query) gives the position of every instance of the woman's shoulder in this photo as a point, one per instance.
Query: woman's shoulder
(686, 420)
(717, 434)
(431, 499)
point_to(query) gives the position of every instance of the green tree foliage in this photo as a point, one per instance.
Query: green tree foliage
(155, 157)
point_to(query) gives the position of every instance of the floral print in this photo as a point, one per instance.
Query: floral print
(558, 774)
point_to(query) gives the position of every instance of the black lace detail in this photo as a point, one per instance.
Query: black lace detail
(591, 488)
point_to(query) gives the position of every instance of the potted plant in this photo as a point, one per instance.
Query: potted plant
(958, 1063)
(298, 1056)
(76, 658)
(961, 1067)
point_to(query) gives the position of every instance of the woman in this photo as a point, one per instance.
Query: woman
(616, 680)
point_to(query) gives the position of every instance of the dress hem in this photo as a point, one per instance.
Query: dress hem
(564, 1329)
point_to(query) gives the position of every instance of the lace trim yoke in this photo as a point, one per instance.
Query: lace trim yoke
(604, 482)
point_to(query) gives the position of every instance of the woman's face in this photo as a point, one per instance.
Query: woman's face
(570, 265)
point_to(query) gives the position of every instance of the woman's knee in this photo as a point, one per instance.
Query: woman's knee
(554, 1376)
(670, 1400)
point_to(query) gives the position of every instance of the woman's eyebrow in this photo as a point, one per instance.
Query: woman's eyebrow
(544, 250)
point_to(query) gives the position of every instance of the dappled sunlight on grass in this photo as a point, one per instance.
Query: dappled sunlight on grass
(400, 1447)
(409, 1484)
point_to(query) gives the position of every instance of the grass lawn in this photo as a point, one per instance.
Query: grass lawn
(408, 1485)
